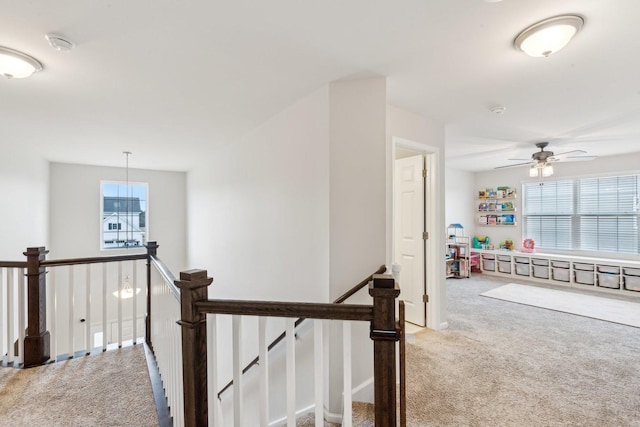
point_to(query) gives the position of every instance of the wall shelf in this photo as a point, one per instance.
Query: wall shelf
(497, 206)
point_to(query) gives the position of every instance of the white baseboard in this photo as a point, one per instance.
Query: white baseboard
(304, 411)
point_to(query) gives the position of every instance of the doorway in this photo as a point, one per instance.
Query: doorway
(410, 230)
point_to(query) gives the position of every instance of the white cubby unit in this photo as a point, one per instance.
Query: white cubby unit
(617, 276)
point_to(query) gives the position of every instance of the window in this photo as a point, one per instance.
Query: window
(586, 214)
(124, 214)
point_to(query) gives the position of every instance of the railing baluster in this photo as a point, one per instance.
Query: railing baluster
(87, 322)
(237, 371)
(291, 372)
(53, 301)
(263, 355)
(21, 315)
(3, 312)
(135, 302)
(212, 371)
(119, 305)
(10, 320)
(346, 374)
(105, 297)
(71, 305)
(318, 376)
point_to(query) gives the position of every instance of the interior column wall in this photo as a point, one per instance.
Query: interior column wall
(24, 185)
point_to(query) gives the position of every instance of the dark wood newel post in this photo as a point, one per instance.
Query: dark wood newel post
(152, 250)
(37, 348)
(193, 287)
(384, 335)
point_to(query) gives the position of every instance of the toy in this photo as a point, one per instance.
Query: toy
(507, 244)
(528, 245)
(480, 242)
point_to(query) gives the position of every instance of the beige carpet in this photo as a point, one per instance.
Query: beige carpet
(597, 307)
(107, 389)
(502, 364)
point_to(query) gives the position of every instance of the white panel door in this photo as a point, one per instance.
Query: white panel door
(409, 245)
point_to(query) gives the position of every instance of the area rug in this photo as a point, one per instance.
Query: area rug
(596, 307)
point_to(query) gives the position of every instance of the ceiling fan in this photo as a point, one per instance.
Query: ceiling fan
(540, 161)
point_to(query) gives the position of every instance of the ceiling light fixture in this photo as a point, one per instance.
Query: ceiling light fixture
(542, 170)
(549, 36)
(17, 65)
(127, 291)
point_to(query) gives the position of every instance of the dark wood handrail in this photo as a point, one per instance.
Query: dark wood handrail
(280, 337)
(310, 310)
(166, 274)
(359, 286)
(91, 260)
(13, 264)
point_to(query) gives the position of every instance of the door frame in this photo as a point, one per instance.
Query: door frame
(433, 225)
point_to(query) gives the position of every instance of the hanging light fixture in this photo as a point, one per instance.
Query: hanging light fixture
(546, 37)
(127, 231)
(127, 291)
(17, 65)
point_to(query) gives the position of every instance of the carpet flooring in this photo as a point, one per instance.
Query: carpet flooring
(595, 306)
(107, 389)
(505, 364)
(498, 364)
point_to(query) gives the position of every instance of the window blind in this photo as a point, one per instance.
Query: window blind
(589, 214)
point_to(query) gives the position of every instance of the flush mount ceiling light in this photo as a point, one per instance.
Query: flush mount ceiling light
(17, 65)
(549, 36)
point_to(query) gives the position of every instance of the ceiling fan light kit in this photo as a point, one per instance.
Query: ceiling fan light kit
(547, 37)
(17, 65)
(540, 162)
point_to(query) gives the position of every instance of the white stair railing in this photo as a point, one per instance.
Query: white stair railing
(274, 390)
(12, 314)
(93, 305)
(166, 338)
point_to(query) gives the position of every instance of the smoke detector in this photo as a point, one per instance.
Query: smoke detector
(59, 43)
(498, 109)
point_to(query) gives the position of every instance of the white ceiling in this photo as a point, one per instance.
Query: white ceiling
(172, 81)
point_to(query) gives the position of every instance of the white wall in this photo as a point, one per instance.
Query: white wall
(428, 135)
(357, 157)
(358, 219)
(460, 201)
(295, 211)
(75, 220)
(259, 223)
(259, 209)
(24, 212)
(514, 177)
(75, 225)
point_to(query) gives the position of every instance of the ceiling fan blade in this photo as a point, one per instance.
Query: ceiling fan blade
(569, 153)
(522, 160)
(512, 166)
(579, 158)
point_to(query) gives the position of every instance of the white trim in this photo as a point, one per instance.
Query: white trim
(362, 386)
(304, 411)
(435, 284)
